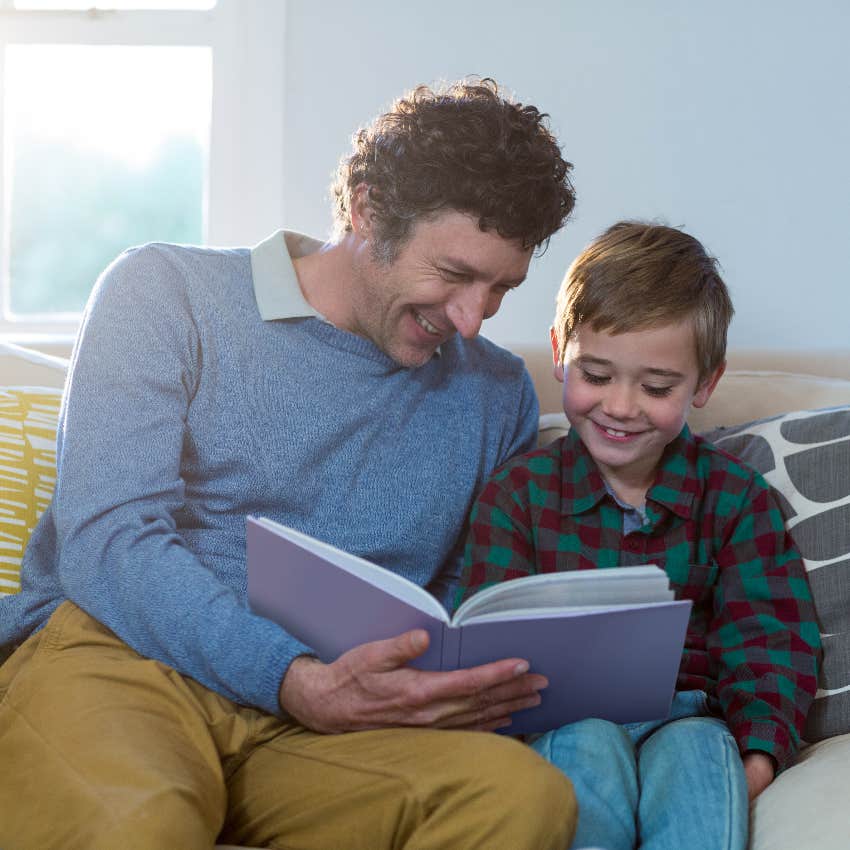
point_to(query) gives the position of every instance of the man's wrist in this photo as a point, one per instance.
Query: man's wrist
(291, 689)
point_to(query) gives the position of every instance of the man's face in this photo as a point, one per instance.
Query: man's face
(628, 396)
(447, 278)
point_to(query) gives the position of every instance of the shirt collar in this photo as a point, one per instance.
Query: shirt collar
(674, 488)
(276, 287)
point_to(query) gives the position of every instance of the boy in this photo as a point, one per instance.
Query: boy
(639, 337)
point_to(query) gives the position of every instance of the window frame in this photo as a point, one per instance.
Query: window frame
(244, 187)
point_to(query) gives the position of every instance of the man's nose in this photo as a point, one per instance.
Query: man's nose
(467, 308)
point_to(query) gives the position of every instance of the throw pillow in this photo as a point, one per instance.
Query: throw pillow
(805, 456)
(28, 417)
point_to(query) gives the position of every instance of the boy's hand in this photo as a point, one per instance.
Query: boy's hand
(371, 687)
(759, 770)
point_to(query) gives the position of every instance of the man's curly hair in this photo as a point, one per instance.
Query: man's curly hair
(462, 147)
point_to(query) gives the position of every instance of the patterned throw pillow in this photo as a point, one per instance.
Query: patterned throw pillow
(805, 456)
(28, 417)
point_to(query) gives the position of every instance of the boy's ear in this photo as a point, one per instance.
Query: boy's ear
(706, 387)
(558, 369)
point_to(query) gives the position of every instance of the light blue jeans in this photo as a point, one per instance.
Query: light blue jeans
(664, 785)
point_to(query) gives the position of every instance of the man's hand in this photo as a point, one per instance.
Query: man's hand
(759, 770)
(370, 687)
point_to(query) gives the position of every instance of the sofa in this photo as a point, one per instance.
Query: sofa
(786, 413)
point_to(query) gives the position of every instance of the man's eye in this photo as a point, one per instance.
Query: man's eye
(596, 380)
(657, 392)
(452, 276)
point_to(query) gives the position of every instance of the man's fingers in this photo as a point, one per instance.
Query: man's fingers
(386, 690)
(486, 716)
(470, 711)
(500, 680)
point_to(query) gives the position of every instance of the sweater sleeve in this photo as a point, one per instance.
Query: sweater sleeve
(122, 432)
(524, 436)
(764, 638)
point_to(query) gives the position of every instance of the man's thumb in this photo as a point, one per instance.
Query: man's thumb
(411, 645)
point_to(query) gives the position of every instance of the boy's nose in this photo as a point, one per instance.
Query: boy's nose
(467, 309)
(619, 402)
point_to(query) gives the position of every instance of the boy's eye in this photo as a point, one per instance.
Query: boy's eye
(657, 392)
(596, 380)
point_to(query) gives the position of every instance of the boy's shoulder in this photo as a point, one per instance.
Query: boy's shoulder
(725, 483)
(711, 458)
(560, 469)
(542, 461)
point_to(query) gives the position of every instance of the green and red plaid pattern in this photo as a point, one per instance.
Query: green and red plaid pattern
(714, 525)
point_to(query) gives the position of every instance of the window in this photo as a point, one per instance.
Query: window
(127, 122)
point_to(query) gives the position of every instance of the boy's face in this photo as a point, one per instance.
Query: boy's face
(628, 395)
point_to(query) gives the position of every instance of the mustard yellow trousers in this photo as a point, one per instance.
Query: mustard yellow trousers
(103, 749)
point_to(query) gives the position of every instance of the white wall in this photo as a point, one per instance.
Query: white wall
(731, 119)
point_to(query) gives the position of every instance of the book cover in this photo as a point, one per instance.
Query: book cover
(616, 660)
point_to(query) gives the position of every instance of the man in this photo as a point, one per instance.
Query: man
(342, 389)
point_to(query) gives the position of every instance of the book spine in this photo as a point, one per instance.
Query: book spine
(451, 647)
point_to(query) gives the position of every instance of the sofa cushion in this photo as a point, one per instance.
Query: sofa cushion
(28, 417)
(806, 806)
(806, 456)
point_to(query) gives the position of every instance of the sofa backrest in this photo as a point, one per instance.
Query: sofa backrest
(26, 367)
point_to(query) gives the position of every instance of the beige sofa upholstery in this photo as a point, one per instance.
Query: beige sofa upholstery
(806, 807)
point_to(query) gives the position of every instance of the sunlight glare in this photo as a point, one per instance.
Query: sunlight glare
(118, 100)
(84, 5)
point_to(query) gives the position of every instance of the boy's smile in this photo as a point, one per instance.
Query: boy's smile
(628, 395)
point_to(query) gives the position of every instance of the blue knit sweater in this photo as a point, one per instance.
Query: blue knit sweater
(189, 406)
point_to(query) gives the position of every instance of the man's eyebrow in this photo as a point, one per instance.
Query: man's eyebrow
(462, 267)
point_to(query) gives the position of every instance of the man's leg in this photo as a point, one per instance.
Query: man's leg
(103, 749)
(693, 790)
(599, 758)
(419, 789)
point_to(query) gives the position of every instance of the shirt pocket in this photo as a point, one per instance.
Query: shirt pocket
(693, 581)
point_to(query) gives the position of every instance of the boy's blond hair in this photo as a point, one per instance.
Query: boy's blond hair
(638, 275)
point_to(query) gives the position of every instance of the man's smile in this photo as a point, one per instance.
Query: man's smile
(424, 323)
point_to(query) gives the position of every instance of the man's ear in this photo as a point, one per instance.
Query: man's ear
(558, 369)
(706, 387)
(361, 210)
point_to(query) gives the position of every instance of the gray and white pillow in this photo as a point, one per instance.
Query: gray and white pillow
(805, 456)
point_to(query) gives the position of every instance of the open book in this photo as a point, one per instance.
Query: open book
(609, 641)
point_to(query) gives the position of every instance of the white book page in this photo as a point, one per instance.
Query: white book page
(618, 585)
(554, 611)
(396, 585)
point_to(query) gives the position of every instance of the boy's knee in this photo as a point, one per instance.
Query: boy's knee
(583, 740)
(688, 729)
(690, 739)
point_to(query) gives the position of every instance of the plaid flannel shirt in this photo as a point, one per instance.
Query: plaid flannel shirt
(714, 525)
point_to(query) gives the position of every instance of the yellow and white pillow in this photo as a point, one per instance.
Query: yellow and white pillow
(28, 420)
